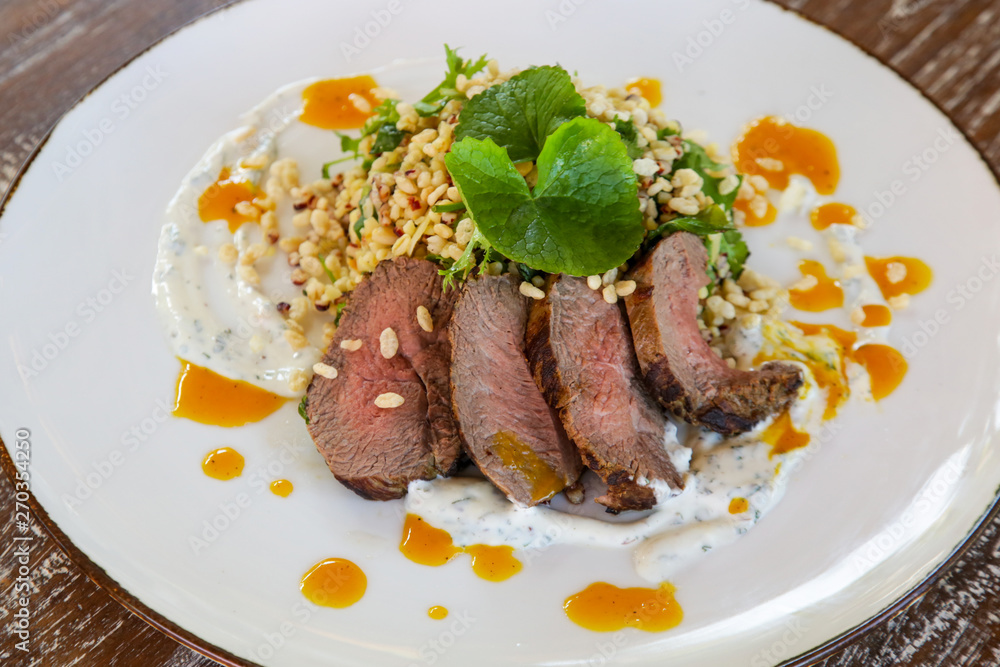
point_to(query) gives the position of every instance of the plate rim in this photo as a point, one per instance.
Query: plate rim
(107, 583)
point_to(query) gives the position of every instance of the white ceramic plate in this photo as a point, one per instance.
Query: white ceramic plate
(877, 508)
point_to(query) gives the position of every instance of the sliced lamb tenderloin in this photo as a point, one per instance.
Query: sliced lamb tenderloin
(681, 370)
(581, 352)
(376, 451)
(508, 429)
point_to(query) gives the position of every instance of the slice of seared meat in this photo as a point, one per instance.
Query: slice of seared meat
(377, 451)
(509, 430)
(581, 352)
(680, 368)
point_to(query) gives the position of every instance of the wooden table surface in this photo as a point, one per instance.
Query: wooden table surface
(54, 51)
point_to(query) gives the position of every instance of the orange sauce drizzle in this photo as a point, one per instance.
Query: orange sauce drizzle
(825, 295)
(426, 545)
(437, 612)
(223, 463)
(918, 275)
(493, 563)
(219, 200)
(782, 436)
(334, 582)
(833, 214)
(330, 105)
(281, 487)
(750, 218)
(603, 607)
(885, 365)
(209, 398)
(514, 454)
(800, 151)
(876, 315)
(651, 89)
(738, 505)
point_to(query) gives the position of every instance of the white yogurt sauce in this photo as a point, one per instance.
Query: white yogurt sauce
(664, 540)
(210, 313)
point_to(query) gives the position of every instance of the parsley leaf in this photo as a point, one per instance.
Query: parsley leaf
(630, 135)
(434, 101)
(696, 158)
(721, 239)
(581, 218)
(521, 112)
(734, 249)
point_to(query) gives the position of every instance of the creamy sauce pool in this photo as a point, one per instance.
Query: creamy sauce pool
(209, 312)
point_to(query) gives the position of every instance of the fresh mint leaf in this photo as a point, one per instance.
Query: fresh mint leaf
(434, 101)
(521, 112)
(582, 217)
(630, 135)
(696, 158)
(382, 124)
(388, 138)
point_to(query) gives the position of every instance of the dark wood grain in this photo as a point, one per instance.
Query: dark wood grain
(54, 51)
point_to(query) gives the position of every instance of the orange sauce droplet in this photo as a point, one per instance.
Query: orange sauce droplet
(825, 295)
(833, 214)
(437, 612)
(750, 218)
(603, 607)
(334, 582)
(651, 89)
(514, 454)
(917, 279)
(885, 365)
(800, 151)
(209, 398)
(739, 505)
(329, 104)
(782, 436)
(281, 487)
(876, 315)
(219, 200)
(493, 563)
(424, 544)
(223, 463)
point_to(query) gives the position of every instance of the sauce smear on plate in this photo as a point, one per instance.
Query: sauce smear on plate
(209, 398)
(426, 545)
(648, 88)
(776, 149)
(833, 214)
(281, 487)
(899, 275)
(824, 295)
(339, 104)
(603, 607)
(219, 200)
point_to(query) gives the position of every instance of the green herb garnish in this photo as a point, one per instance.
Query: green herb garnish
(463, 265)
(582, 217)
(340, 312)
(303, 408)
(450, 206)
(434, 101)
(521, 112)
(630, 135)
(696, 158)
